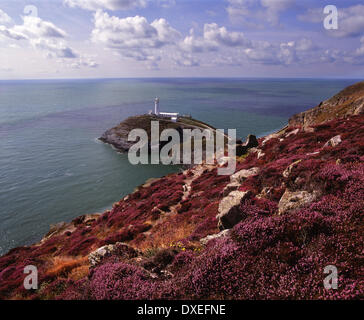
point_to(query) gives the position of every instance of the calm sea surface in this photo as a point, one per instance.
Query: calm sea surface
(52, 168)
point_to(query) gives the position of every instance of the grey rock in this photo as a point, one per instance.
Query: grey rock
(292, 200)
(119, 249)
(287, 172)
(333, 142)
(229, 212)
(231, 187)
(221, 234)
(241, 175)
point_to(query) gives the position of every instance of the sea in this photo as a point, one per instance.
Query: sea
(53, 168)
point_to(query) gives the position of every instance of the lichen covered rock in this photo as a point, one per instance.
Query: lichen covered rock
(229, 213)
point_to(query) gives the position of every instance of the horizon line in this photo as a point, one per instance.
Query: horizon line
(222, 78)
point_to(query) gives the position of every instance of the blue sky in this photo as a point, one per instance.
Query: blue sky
(179, 38)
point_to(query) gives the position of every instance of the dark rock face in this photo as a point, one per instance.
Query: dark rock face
(241, 150)
(251, 142)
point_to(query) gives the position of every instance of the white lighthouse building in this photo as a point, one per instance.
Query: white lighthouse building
(173, 116)
(156, 106)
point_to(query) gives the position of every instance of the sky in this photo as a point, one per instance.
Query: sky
(58, 39)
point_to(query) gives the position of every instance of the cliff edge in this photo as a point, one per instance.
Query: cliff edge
(349, 101)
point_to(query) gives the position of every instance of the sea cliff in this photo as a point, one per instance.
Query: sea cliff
(293, 206)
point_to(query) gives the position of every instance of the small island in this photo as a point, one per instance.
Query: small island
(118, 136)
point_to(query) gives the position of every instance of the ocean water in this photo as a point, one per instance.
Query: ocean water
(53, 168)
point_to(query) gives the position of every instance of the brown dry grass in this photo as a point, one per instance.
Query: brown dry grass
(166, 234)
(79, 273)
(62, 266)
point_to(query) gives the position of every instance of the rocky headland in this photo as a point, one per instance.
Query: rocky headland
(118, 136)
(293, 206)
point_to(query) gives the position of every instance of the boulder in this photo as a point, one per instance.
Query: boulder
(241, 175)
(333, 142)
(229, 212)
(222, 234)
(241, 150)
(119, 249)
(292, 200)
(251, 141)
(287, 172)
(230, 187)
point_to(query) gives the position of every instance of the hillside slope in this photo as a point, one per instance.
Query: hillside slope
(293, 207)
(349, 101)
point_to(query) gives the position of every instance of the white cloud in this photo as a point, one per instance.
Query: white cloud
(183, 59)
(4, 18)
(214, 37)
(133, 37)
(360, 51)
(262, 53)
(84, 62)
(240, 10)
(106, 4)
(256, 12)
(274, 8)
(54, 48)
(356, 57)
(213, 33)
(42, 35)
(285, 53)
(12, 34)
(351, 20)
(47, 38)
(305, 44)
(194, 44)
(34, 27)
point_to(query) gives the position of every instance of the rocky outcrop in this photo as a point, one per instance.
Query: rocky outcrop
(251, 142)
(63, 228)
(122, 250)
(219, 235)
(292, 200)
(287, 172)
(333, 142)
(229, 213)
(231, 187)
(350, 101)
(241, 175)
(118, 136)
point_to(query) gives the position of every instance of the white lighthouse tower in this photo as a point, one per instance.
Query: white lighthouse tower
(156, 106)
